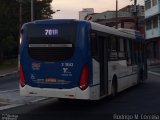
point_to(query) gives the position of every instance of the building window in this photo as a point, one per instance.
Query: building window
(148, 25)
(155, 22)
(154, 2)
(147, 4)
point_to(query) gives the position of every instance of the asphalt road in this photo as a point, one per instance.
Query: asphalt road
(139, 102)
(9, 83)
(9, 93)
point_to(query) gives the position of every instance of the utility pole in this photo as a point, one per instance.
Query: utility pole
(32, 11)
(20, 13)
(135, 3)
(116, 14)
(20, 17)
(135, 12)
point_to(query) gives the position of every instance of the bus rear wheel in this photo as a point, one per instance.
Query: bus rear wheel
(141, 78)
(113, 88)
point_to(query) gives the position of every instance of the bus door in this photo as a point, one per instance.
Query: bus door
(103, 58)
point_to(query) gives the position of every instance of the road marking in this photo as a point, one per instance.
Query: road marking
(6, 74)
(18, 105)
(40, 99)
(3, 102)
(10, 106)
(6, 91)
(154, 73)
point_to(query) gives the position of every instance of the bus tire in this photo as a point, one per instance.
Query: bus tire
(114, 87)
(141, 78)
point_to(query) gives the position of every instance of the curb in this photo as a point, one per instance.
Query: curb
(154, 73)
(154, 66)
(6, 74)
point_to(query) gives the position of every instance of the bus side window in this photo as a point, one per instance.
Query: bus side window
(129, 52)
(121, 50)
(113, 48)
(133, 53)
(94, 46)
(136, 52)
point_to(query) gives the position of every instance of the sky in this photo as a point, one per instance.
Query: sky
(69, 9)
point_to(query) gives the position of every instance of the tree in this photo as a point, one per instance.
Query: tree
(9, 21)
(42, 10)
(8, 25)
(7, 45)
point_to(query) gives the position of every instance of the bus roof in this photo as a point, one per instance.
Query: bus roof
(129, 33)
(50, 21)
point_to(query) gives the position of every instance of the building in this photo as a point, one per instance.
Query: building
(126, 18)
(131, 9)
(85, 12)
(89, 17)
(152, 30)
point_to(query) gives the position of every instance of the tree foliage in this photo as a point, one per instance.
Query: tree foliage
(42, 10)
(9, 21)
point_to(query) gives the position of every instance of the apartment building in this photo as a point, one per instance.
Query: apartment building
(152, 30)
(125, 19)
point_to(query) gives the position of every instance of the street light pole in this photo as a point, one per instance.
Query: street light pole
(20, 13)
(20, 17)
(32, 11)
(116, 14)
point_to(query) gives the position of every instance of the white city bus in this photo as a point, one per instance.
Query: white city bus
(79, 59)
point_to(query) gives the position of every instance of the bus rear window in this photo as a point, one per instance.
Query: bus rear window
(51, 42)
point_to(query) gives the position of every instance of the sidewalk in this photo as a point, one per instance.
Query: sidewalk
(153, 66)
(8, 71)
(155, 69)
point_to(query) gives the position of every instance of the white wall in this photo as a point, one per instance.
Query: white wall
(152, 11)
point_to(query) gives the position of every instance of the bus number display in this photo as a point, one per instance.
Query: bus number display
(51, 32)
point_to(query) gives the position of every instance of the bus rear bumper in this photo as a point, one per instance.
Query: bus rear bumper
(74, 93)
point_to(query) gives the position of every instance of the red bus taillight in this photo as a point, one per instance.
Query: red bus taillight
(22, 79)
(83, 83)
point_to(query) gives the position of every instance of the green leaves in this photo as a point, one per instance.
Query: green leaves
(42, 10)
(7, 44)
(9, 21)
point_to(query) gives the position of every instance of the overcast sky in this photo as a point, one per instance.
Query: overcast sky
(70, 8)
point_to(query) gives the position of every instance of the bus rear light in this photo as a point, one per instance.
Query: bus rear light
(83, 84)
(22, 79)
